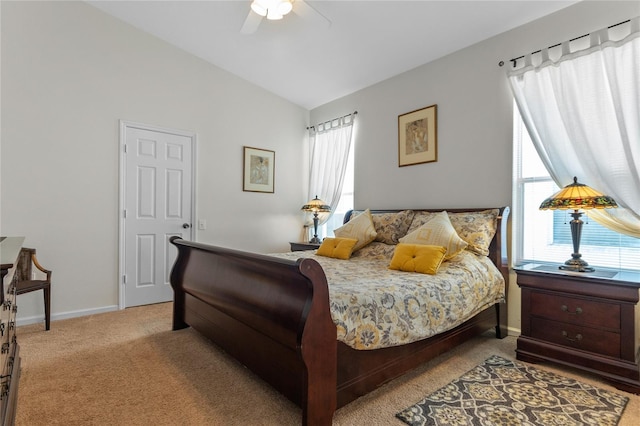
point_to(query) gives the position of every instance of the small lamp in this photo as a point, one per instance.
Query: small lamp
(577, 196)
(316, 206)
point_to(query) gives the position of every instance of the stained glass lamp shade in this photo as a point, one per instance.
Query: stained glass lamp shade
(577, 196)
(316, 206)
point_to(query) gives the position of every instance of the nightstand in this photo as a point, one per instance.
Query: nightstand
(582, 320)
(301, 246)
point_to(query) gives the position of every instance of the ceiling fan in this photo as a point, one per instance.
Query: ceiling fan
(277, 9)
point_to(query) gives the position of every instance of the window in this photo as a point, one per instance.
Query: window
(346, 200)
(545, 235)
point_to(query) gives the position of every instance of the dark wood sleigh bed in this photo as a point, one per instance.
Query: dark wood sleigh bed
(273, 316)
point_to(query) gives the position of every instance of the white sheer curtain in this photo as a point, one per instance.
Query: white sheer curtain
(582, 112)
(329, 152)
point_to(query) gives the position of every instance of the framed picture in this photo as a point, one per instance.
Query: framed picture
(258, 169)
(418, 136)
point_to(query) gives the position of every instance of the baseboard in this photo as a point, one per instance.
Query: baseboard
(513, 331)
(65, 315)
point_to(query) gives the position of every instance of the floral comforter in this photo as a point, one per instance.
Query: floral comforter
(374, 307)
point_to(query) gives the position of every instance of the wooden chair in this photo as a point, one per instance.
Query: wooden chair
(25, 282)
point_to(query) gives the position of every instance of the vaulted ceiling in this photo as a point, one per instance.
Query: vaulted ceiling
(328, 49)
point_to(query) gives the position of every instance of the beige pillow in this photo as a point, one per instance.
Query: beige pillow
(437, 232)
(476, 228)
(360, 228)
(390, 227)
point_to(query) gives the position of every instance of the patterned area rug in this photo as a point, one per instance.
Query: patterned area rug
(503, 392)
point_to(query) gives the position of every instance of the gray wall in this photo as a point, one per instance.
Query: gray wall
(474, 116)
(474, 167)
(69, 74)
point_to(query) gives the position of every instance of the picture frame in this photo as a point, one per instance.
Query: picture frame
(418, 136)
(258, 170)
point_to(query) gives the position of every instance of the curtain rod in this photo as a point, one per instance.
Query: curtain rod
(515, 60)
(329, 121)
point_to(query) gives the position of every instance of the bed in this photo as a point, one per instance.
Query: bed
(277, 313)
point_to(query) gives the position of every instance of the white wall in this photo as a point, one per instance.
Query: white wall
(474, 120)
(69, 74)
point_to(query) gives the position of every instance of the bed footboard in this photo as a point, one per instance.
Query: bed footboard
(270, 314)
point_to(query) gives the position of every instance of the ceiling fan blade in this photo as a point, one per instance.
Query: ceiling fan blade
(308, 12)
(251, 24)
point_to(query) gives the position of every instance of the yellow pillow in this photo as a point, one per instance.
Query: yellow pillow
(437, 232)
(338, 248)
(360, 228)
(417, 258)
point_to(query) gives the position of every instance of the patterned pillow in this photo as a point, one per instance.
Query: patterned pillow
(437, 232)
(390, 227)
(419, 219)
(476, 228)
(360, 228)
(417, 258)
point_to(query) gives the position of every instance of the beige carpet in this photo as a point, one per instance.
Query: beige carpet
(129, 368)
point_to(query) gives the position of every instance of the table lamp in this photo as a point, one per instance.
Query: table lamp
(577, 196)
(316, 206)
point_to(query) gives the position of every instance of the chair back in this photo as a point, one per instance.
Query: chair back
(23, 271)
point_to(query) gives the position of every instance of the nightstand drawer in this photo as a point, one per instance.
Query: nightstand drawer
(302, 246)
(575, 310)
(574, 336)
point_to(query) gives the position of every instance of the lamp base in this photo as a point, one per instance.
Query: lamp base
(315, 240)
(575, 264)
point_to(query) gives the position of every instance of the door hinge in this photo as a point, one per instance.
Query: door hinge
(124, 279)
(124, 213)
(125, 148)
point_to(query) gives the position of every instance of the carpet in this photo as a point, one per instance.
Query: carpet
(503, 392)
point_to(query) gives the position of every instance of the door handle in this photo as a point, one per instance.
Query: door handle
(186, 226)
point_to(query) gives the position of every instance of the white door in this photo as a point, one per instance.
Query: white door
(158, 198)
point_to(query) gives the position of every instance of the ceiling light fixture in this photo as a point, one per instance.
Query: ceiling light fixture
(272, 9)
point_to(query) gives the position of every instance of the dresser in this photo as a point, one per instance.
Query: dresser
(586, 321)
(9, 348)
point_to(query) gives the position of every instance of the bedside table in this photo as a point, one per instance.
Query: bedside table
(301, 246)
(584, 320)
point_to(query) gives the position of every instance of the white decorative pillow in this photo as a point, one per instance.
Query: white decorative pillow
(437, 232)
(360, 228)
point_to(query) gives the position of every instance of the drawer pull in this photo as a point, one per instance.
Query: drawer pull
(576, 339)
(566, 309)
